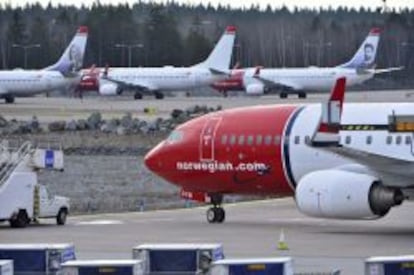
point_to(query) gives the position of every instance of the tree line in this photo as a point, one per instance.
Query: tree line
(181, 35)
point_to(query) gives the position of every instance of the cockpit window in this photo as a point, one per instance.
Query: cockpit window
(175, 136)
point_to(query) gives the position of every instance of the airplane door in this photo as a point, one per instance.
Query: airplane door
(207, 139)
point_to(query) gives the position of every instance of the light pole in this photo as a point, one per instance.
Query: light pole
(129, 47)
(25, 49)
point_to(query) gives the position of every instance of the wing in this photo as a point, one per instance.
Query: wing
(282, 84)
(132, 84)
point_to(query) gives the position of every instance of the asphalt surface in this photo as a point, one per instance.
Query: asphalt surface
(63, 108)
(251, 230)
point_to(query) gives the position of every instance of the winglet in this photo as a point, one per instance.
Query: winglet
(327, 132)
(257, 71)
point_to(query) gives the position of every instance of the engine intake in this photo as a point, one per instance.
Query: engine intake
(345, 195)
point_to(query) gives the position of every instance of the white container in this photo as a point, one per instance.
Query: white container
(113, 267)
(395, 265)
(262, 266)
(177, 258)
(6, 267)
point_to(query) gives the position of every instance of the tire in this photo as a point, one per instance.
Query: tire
(283, 95)
(9, 99)
(21, 220)
(302, 95)
(211, 215)
(61, 216)
(159, 95)
(220, 215)
(137, 96)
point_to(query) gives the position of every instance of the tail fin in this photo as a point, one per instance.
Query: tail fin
(71, 60)
(364, 58)
(220, 58)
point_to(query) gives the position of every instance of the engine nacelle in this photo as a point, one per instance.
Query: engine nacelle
(109, 89)
(345, 195)
(255, 89)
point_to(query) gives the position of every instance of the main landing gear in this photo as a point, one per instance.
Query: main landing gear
(216, 214)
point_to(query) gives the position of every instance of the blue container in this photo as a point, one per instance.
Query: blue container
(398, 265)
(177, 258)
(37, 259)
(106, 267)
(260, 266)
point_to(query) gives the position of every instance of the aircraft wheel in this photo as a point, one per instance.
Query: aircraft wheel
(211, 215)
(159, 95)
(9, 99)
(216, 215)
(220, 215)
(283, 95)
(137, 96)
(302, 95)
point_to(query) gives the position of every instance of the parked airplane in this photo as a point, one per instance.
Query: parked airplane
(257, 81)
(157, 79)
(62, 74)
(350, 162)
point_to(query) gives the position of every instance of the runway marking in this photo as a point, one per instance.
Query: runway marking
(99, 222)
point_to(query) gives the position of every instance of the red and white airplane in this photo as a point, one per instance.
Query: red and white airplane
(258, 81)
(345, 161)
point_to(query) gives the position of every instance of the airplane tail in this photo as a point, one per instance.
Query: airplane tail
(364, 58)
(71, 60)
(219, 59)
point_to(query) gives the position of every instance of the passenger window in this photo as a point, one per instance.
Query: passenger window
(241, 140)
(398, 140)
(408, 140)
(250, 140)
(348, 139)
(259, 140)
(223, 139)
(268, 140)
(307, 140)
(276, 140)
(232, 139)
(389, 140)
(369, 140)
(297, 139)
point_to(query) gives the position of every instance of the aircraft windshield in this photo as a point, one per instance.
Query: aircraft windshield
(175, 136)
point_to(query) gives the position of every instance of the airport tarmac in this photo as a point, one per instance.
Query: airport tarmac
(252, 229)
(63, 108)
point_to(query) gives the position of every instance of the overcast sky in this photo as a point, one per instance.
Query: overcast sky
(240, 3)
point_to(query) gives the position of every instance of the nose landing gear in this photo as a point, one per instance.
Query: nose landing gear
(216, 214)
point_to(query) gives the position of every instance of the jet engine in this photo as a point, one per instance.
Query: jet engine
(345, 195)
(109, 89)
(255, 89)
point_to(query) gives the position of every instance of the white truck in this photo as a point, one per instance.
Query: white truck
(22, 199)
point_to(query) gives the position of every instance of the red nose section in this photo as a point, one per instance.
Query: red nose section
(153, 159)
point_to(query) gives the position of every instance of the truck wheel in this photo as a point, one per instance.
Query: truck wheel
(20, 221)
(61, 216)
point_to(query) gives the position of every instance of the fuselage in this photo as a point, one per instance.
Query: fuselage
(307, 79)
(30, 82)
(165, 78)
(265, 150)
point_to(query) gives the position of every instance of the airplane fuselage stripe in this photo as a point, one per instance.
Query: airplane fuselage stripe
(286, 153)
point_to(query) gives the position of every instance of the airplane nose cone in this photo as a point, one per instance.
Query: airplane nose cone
(153, 159)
